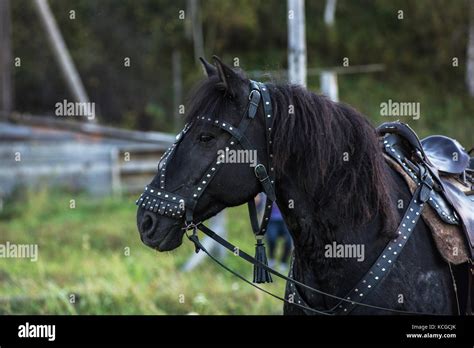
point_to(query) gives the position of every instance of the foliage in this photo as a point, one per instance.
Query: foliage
(417, 52)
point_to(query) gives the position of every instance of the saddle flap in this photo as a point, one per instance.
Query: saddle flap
(464, 207)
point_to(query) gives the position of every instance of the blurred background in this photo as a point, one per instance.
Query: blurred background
(68, 184)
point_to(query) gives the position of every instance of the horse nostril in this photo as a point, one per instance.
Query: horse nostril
(148, 224)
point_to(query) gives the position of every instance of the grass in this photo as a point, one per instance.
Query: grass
(84, 266)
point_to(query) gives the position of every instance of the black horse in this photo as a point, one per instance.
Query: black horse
(332, 185)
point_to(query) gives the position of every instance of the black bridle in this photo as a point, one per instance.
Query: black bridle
(175, 206)
(170, 204)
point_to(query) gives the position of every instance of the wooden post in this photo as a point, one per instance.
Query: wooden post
(61, 53)
(196, 27)
(329, 85)
(330, 12)
(296, 42)
(177, 88)
(6, 88)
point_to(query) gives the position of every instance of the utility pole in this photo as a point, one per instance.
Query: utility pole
(329, 85)
(6, 85)
(296, 42)
(60, 51)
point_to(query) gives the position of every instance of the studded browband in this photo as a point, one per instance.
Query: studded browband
(175, 206)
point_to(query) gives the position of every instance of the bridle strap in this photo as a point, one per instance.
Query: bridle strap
(199, 246)
(243, 255)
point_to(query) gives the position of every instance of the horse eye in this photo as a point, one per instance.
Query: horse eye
(206, 137)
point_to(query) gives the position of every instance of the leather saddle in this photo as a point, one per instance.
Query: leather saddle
(447, 162)
(446, 154)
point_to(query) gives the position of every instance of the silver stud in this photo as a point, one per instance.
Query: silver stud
(376, 278)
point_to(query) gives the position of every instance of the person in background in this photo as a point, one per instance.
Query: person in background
(276, 230)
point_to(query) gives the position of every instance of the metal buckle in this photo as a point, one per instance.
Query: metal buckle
(257, 173)
(193, 237)
(251, 93)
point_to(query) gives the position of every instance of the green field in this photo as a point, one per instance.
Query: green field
(83, 251)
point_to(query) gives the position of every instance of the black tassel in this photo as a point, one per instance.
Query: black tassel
(261, 275)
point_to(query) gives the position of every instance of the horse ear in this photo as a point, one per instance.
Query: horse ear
(229, 78)
(209, 69)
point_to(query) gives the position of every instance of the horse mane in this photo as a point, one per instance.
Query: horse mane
(334, 152)
(311, 136)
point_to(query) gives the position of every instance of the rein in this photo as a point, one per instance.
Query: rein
(172, 205)
(374, 276)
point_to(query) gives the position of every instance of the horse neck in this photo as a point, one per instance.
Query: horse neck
(313, 232)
